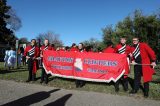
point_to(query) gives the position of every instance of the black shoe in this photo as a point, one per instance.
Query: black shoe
(116, 89)
(46, 82)
(28, 80)
(146, 94)
(125, 89)
(77, 86)
(81, 85)
(33, 79)
(133, 92)
(41, 82)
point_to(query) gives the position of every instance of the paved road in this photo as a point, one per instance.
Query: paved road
(23, 94)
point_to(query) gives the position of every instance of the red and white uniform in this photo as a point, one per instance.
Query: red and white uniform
(109, 49)
(147, 55)
(48, 47)
(32, 52)
(75, 49)
(124, 49)
(43, 48)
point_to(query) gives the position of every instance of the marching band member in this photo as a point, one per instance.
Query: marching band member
(46, 46)
(74, 48)
(142, 54)
(123, 48)
(111, 49)
(80, 83)
(32, 52)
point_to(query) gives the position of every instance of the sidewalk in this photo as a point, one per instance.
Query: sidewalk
(23, 94)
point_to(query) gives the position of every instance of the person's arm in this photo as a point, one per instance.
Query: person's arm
(116, 49)
(151, 54)
(38, 52)
(25, 53)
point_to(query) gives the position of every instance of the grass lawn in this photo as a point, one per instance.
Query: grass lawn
(21, 75)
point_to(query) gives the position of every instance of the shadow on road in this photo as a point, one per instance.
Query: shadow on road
(31, 99)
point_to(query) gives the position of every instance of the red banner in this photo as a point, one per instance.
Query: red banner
(98, 67)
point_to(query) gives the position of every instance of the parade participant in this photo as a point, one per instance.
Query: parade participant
(142, 55)
(6, 57)
(32, 52)
(23, 57)
(53, 47)
(74, 48)
(89, 49)
(67, 48)
(11, 58)
(123, 48)
(111, 49)
(46, 46)
(80, 83)
(19, 56)
(61, 48)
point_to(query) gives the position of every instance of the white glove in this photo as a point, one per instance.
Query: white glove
(133, 63)
(153, 64)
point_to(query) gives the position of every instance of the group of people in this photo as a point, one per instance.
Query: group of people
(142, 57)
(139, 54)
(10, 58)
(11, 55)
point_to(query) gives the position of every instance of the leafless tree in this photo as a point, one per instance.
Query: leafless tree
(52, 37)
(14, 23)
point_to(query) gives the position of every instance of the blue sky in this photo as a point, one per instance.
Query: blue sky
(75, 20)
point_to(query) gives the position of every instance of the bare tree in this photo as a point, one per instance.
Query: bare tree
(14, 23)
(52, 37)
(23, 40)
(93, 42)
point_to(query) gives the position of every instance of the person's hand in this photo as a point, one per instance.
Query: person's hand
(133, 63)
(41, 55)
(130, 55)
(38, 58)
(33, 58)
(27, 57)
(153, 64)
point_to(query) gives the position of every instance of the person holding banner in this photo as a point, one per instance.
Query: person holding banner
(89, 49)
(144, 61)
(32, 52)
(123, 48)
(80, 83)
(46, 46)
(111, 49)
(74, 48)
(53, 47)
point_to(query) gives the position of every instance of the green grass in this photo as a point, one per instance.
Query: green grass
(21, 75)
